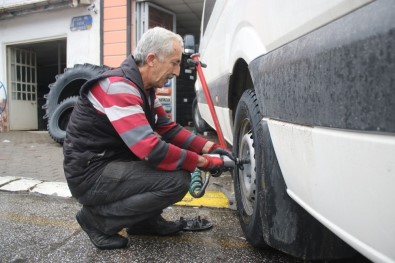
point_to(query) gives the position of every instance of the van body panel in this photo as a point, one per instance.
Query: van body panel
(344, 179)
(295, 83)
(248, 29)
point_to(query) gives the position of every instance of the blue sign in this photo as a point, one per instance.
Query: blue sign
(81, 23)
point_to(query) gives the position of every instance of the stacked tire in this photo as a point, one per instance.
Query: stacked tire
(185, 92)
(63, 95)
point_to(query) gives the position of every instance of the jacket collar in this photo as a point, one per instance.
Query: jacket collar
(132, 72)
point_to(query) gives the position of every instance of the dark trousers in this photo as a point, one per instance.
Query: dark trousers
(130, 192)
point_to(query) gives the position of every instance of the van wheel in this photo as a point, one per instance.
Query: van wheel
(200, 124)
(268, 216)
(247, 181)
(59, 120)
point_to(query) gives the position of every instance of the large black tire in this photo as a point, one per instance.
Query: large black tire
(59, 120)
(247, 183)
(68, 84)
(198, 122)
(267, 214)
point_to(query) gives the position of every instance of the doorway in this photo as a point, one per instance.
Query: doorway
(31, 68)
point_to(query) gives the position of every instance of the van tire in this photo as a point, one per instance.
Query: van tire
(247, 182)
(274, 219)
(59, 120)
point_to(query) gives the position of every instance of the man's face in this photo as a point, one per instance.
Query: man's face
(167, 68)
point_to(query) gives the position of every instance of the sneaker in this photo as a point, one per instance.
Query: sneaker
(100, 240)
(156, 226)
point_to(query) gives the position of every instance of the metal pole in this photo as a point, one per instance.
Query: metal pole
(199, 70)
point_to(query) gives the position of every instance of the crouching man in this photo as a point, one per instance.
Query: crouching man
(124, 160)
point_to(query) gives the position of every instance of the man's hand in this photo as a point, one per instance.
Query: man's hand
(217, 149)
(211, 163)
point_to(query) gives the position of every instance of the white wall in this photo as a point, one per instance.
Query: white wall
(82, 46)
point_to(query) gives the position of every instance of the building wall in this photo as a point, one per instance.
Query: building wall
(82, 46)
(115, 31)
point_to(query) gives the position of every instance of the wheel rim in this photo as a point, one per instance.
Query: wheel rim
(247, 176)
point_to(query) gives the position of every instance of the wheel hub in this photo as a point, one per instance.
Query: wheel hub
(247, 175)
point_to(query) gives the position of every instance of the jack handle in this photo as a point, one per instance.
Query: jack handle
(198, 64)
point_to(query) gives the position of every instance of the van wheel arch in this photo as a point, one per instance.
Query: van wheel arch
(240, 81)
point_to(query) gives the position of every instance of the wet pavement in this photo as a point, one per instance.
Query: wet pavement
(39, 228)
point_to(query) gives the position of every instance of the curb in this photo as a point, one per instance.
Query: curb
(21, 184)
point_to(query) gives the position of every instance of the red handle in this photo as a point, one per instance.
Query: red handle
(199, 70)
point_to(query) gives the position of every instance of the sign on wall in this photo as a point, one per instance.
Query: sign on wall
(81, 23)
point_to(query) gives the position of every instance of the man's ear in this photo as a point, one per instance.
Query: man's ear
(151, 57)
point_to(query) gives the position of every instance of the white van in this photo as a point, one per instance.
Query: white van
(305, 90)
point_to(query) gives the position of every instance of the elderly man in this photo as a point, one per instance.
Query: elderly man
(124, 160)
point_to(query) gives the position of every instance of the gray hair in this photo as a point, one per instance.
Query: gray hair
(156, 40)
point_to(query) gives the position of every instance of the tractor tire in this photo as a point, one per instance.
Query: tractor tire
(68, 84)
(58, 121)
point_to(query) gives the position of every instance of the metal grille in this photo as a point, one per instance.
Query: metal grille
(23, 75)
